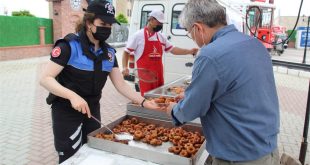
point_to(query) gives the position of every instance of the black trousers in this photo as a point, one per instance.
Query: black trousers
(71, 127)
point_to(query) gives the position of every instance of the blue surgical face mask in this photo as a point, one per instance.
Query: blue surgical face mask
(194, 31)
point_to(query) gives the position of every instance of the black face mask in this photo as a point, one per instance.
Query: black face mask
(157, 28)
(102, 33)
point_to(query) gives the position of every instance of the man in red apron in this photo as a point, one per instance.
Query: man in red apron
(147, 45)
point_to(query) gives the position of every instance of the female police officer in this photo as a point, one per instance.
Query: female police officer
(79, 67)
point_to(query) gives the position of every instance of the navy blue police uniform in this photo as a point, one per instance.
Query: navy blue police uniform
(85, 72)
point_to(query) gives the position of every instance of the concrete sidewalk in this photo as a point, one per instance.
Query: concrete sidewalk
(26, 133)
(293, 55)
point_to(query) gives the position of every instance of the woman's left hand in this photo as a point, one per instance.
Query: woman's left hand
(179, 97)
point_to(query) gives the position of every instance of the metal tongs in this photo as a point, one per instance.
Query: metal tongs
(119, 136)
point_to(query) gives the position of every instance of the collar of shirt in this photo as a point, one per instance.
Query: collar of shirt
(149, 35)
(92, 49)
(223, 31)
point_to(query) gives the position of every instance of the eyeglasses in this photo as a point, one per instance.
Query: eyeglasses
(189, 33)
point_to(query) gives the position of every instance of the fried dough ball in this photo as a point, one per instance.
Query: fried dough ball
(137, 127)
(192, 140)
(177, 149)
(108, 136)
(142, 124)
(128, 126)
(155, 142)
(177, 137)
(145, 140)
(134, 120)
(176, 89)
(160, 129)
(171, 149)
(189, 134)
(150, 127)
(175, 142)
(185, 134)
(131, 130)
(197, 139)
(179, 90)
(168, 100)
(191, 150)
(159, 142)
(187, 145)
(123, 129)
(166, 130)
(164, 138)
(179, 131)
(160, 100)
(183, 140)
(99, 135)
(160, 133)
(184, 153)
(148, 138)
(126, 122)
(116, 130)
(138, 134)
(153, 133)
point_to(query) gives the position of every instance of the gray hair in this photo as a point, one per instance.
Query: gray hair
(208, 12)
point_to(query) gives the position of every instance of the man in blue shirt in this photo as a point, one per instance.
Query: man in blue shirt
(233, 90)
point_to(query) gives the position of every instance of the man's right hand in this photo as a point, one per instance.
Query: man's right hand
(153, 106)
(125, 72)
(179, 97)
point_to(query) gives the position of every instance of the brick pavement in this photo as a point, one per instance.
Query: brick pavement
(26, 134)
(26, 129)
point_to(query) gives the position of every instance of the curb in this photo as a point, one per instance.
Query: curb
(294, 72)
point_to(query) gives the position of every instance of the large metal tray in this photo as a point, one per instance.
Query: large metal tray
(158, 155)
(137, 110)
(163, 90)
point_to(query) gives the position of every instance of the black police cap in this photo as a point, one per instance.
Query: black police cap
(103, 10)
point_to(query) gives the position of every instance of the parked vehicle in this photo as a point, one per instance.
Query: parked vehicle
(279, 46)
(178, 66)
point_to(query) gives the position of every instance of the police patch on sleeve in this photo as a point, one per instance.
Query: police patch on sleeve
(110, 56)
(56, 52)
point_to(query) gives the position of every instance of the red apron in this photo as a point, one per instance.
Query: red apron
(151, 59)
